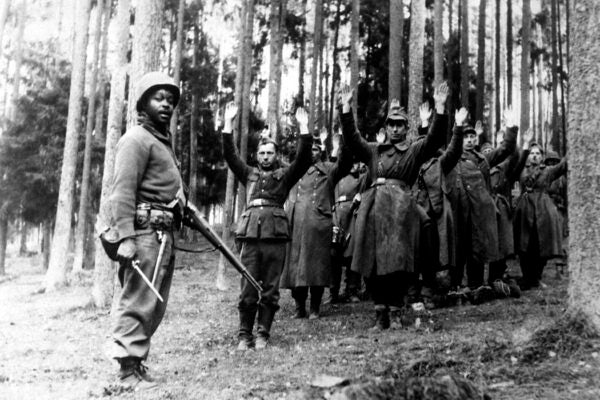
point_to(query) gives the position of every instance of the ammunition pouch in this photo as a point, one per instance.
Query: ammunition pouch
(148, 216)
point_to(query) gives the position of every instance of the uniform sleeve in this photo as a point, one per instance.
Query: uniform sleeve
(556, 171)
(451, 156)
(357, 144)
(507, 147)
(302, 162)
(426, 148)
(130, 163)
(239, 168)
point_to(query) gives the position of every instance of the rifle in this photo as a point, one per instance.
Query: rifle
(195, 220)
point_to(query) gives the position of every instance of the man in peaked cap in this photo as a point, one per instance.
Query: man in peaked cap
(146, 188)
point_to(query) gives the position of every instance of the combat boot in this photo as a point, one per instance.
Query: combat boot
(246, 327)
(300, 309)
(315, 305)
(266, 314)
(395, 317)
(382, 318)
(133, 375)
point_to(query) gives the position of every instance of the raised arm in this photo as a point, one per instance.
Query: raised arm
(556, 171)
(436, 135)
(303, 157)
(519, 158)
(239, 168)
(509, 144)
(357, 144)
(450, 158)
(343, 164)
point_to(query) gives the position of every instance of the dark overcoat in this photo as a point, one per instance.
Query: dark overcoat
(535, 210)
(309, 205)
(388, 221)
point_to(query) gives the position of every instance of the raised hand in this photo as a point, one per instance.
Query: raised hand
(439, 96)
(424, 114)
(510, 118)
(346, 94)
(528, 138)
(335, 144)
(478, 128)
(323, 135)
(460, 118)
(381, 136)
(230, 112)
(302, 118)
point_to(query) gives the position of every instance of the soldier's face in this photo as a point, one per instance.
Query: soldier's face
(535, 155)
(316, 154)
(159, 106)
(487, 151)
(396, 130)
(266, 155)
(469, 141)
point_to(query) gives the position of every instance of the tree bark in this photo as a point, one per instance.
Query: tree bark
(46, 239)
(80, 231)
(23, 239)
(335, 69)
(100, 134)
(395, 50)
(193, 182)
(415, 64)
(555, 141)
(302, 58)
(509, 56)
(104, 270)
(563, 112)
(354, 53)
(317, 44)
(464, 53)
(525, 56)
(145, 51)
(18, 57)
(277, 26)
(177, 68)
(438, 42)
(4, 7)
(497, 71)
(479, 100)
(584, 163)
(56, 276)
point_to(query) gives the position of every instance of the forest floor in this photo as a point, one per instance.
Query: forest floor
(52, 345)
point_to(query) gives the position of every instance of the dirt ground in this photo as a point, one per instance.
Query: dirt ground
(51, 345)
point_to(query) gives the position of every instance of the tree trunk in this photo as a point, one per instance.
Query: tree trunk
(56, 276)
(555, 142)
(584, 163)
(415, 64)
(193, 182)
(464, 53)
(525, 56)
(277, 26)
(395, 49)
(177, 68)
(104, 270)
(46, 239)
(479, 98)
(23, 239)
(302, 58)
(3, 14)
(497, 72)
(438, 42)
(509, 56)
(228, 209)
(317, 44)
(80, 232)
(354, 53)
(335, 69)
(3, 240)
(145, 51)
(102, 77)
(245, 112)
(18, 57)
(563, 112)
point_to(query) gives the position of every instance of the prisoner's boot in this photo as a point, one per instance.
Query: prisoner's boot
(315, 307)
(395, 317)
(481, 295)
(515, 290)
(246, 327)
(134, 375)
(501, 289)
(266, 315)
(334, 296)
(300, 309)
(382, 318)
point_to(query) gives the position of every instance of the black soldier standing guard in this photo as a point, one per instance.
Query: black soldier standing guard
(263, 229)
(146, 192)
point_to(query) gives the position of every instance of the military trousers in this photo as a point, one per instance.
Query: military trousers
(138, 311)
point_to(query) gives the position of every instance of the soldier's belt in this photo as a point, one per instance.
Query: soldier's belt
(389, 181)
(342, 199)
(263, 203)
(147, 217)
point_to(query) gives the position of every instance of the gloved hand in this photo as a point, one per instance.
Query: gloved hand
(127, 249)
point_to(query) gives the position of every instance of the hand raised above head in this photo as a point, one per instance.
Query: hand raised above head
(479, 128)
(460, 118)
(346, 94)
(231, 110)
(424, 112)
(510, 118)
(440, 93)
(302, 118)
(381, 136)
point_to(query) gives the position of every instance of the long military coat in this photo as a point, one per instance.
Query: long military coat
(343, 212)
(474, 209)
(309, 205)
(433, 197)
(535, 210)
(502, 178)
(388, 221)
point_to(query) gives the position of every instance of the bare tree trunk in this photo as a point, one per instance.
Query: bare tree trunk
(525, 56)
(395, 49)
(563, 140)
(193, 182)
(277, 26)
(80, 231)
(104, 270)
(102, 76)
(56, 276)
(3, 14)
(317, 44)
(228, 209)
(3, 240)
(479, 98)
(302, 58)
(245, 113)
(23, 239)
(354, 53)
(335, 69)
(497, 71)
(584, 164)
(415, 64)
(509, 56)
(46, 239)
(438, 42)
(145, 52)
(177, 68)
(18, 57)
(555, 142)
(464, 53)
